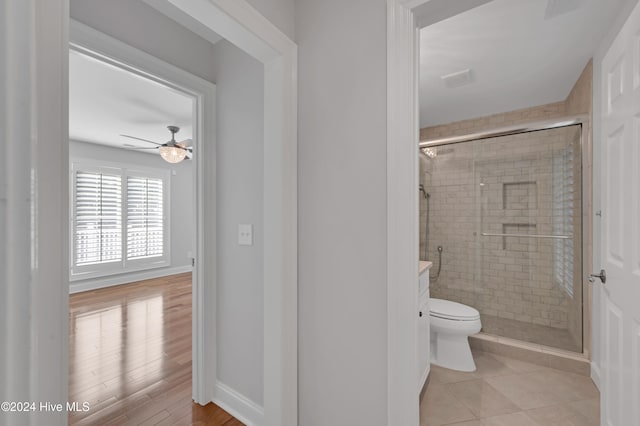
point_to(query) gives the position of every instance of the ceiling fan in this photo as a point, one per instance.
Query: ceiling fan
(171, 151)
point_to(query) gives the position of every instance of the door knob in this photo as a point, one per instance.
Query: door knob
(602, 276)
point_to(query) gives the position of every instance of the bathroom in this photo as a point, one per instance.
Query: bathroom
(505, 211)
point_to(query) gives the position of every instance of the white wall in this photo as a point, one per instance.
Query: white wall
(342, 212)
(181, 209)
(279, 12)
(4, 177)
(33, 358)
(141, 26)
(239, 200)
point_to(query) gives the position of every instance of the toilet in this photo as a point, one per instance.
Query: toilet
(451, 325)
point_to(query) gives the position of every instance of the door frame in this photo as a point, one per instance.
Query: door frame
(33, 210)
(404, 19)
(34, 287)
(93, 43)
(240, 24)
(402, 212)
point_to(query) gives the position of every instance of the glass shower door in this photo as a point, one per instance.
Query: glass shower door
(528, 236)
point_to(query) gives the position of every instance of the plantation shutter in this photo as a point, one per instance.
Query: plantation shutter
(98, 218)
(145, 217)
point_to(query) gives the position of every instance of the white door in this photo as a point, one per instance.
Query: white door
(620, 250)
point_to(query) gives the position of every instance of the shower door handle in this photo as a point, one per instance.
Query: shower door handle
(602, 276)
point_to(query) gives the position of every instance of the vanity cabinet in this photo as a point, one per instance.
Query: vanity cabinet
(424, 350)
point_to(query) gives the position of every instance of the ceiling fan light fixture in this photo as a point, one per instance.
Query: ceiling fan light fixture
(172, 154)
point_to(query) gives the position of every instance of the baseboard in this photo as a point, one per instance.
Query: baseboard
(113, 280)
(424, 378)
(239, 406)
(427, 382)
(595, 374)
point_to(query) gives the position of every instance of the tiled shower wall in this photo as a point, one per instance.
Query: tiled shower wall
(528, 183)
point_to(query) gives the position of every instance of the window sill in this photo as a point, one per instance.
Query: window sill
(91, 273)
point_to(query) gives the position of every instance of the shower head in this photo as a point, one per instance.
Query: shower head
(432, 152)
(429, 152)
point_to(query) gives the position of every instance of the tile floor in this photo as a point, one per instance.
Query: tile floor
(507, 392)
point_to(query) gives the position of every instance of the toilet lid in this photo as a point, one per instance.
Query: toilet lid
(452, 310)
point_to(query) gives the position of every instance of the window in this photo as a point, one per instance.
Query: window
(98, 218)
(119, 221)
(563, 210)
(145, 228)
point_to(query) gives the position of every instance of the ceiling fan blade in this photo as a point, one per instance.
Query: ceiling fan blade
(185, 143)
(140, 139)
(153, 147)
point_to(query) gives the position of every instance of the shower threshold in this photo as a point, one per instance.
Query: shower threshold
(533, 333)
(577, 363)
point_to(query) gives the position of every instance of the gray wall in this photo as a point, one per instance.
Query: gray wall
(240, 116)
(239, 200)
(279, 12)
(342, 212)
(141, 26)
(182, 201)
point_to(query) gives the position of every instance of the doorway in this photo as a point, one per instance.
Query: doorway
(180, 246)
(134, 143)
(39, 41)
(404, 20)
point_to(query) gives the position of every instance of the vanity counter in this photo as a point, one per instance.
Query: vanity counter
(424, 265)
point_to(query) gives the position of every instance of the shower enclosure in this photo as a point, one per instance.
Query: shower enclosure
(507, 211)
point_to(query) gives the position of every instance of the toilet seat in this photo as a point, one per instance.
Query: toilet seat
(453, 311)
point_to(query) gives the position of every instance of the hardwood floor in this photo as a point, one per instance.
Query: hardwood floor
(130, 356)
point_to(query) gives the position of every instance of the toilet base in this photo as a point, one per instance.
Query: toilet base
(452, 352)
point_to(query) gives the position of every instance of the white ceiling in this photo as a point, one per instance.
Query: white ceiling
(106, 101)
(516, 56)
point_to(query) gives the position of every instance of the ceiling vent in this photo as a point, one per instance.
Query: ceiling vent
(457, 79)
(560, 7)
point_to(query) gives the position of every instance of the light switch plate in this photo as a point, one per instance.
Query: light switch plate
(245, 235)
